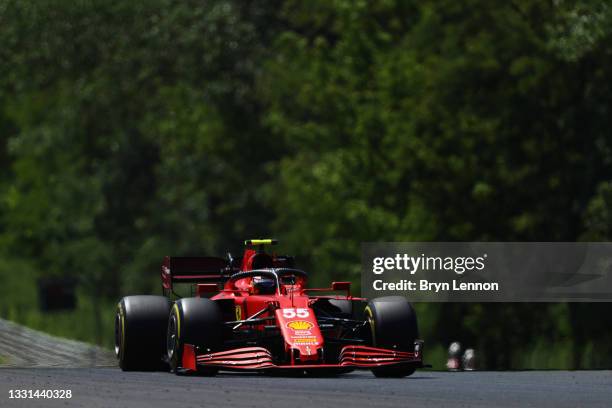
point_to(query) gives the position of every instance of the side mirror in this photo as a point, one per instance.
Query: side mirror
(342, 286)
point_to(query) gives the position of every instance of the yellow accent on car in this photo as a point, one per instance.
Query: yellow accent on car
(238, 312)
(268, 241)
(300, 325)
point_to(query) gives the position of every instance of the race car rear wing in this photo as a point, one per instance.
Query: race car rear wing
(206, 269)
(192, 269)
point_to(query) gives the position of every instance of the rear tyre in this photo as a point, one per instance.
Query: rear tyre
(196, 321)
(140, 332)
(393, 325)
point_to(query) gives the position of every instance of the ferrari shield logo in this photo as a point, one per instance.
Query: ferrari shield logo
(238, 312)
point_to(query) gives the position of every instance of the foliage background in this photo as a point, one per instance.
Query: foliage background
(130, 130)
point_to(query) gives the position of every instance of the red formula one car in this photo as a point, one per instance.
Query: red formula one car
(256, 313)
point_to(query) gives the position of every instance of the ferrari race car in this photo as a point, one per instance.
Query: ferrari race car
(256, 314)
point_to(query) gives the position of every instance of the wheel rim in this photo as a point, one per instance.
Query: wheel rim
(171, 338)
(372, 324)
(118, 333)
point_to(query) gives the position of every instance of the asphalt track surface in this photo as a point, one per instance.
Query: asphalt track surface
(110, 387)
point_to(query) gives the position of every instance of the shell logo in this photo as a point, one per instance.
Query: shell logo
(300, 325)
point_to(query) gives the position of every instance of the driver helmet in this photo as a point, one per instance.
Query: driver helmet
(263, 285)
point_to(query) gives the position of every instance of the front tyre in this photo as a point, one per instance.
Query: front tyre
(196, 321)
(393, 325)
(140, 328)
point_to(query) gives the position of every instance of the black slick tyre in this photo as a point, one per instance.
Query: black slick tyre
(140, 332)
(393, 325)
(195, 321)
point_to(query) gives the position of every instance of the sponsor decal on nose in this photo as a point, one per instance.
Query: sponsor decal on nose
(300, 325)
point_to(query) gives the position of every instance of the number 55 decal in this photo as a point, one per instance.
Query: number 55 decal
(299, 312)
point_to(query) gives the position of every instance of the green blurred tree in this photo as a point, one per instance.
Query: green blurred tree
(127, 130)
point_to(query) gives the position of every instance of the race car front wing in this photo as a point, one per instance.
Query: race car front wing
(260, 359)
